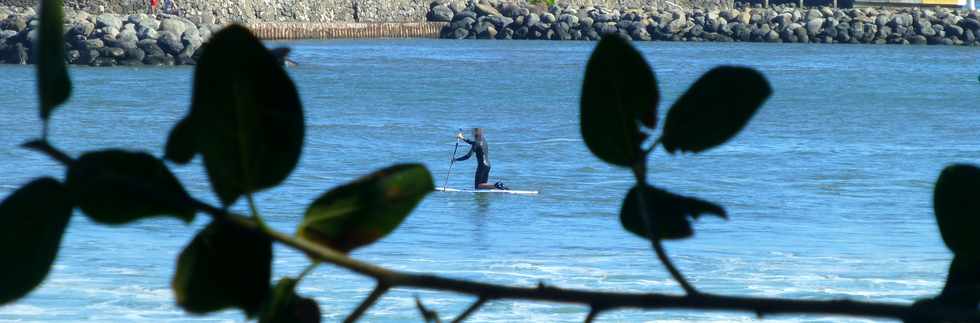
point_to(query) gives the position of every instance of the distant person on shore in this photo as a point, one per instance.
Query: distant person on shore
(479, 147)
(170, 7)
(153, 7)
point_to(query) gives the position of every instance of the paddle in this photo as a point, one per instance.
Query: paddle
(452, 160)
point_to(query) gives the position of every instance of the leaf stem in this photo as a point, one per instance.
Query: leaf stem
(42, 146)
(676, 274)
(376, 294)
(593, 313)
(470, 310)
(255, 213)
(639, 171)
(309, 269)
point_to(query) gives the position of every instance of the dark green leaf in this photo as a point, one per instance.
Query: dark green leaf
(957, 205)
(182, 142)
(32, 221)
(284, 306)
(116, 187)
(963, 283)
(714, 109)
(667, 213)
(363, 211)
(619, 93)
(224, 266)
(245, 115)
(54, 87)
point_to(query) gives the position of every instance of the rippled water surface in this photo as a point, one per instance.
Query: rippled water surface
(829, 187)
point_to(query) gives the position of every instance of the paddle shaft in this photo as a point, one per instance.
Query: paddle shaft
(452, 160)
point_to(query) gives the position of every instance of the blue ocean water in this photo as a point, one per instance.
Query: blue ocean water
(829, 187)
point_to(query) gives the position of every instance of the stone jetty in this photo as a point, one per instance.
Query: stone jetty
(108, 39)
(777, 24)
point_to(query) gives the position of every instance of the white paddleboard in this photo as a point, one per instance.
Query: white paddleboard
(446, 189)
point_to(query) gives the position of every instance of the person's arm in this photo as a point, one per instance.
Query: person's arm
(468, 154)
(460, 136)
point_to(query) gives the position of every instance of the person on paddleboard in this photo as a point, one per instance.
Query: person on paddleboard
(479, 147)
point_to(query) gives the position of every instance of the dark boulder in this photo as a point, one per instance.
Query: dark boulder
(971, 24)
(87, 57)
(103, 61)
(170, 43)
(14, 22)
(184, 59)
(151, 48)
(460, 33)
(918, 40)
(440, 13)
(464, 14)
(135, 54)
(72, 56)
(111, 52)
(159, 60)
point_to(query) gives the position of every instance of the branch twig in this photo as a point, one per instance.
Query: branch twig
(42, 146)
(376, 294)
(470, 310)
(658, 247)
(613, 300)
(609, 300)
(639, 171)
(593, 313)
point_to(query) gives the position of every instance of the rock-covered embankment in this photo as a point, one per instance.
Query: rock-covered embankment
(107, 39)
(505, 20)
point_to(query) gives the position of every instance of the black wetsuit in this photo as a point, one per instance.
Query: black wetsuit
(483, 160)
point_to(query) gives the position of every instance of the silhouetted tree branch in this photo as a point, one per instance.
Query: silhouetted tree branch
(597, 301)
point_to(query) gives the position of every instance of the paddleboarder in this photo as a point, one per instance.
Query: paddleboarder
(479, 147)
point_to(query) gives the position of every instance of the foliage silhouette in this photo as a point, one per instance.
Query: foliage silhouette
(116, 187)
(957, 206)
(667, 212)
(247, 123)
(224, 266)
(285, 306)
(32, 221)
(714, 109)
(54, 87)
(363, 211)
(618, 94)
(245, 119)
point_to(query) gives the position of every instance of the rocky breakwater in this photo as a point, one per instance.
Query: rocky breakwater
(505, 20)
(107, 39)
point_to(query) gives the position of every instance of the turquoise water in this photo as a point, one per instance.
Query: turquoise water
(829, 187)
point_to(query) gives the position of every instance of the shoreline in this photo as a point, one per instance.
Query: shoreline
(163, 40)
(777, 24)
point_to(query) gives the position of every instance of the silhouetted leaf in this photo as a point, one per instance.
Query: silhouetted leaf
(245, 115)
(667, 213)
(963, 283)
(116, 187)
(365, 210)
(957, 205)
(32, 221)
(430, 316)
(619, 93)
(224, 266)
(54, 87)
(182, 142)
(284, 306)
(714, 109)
